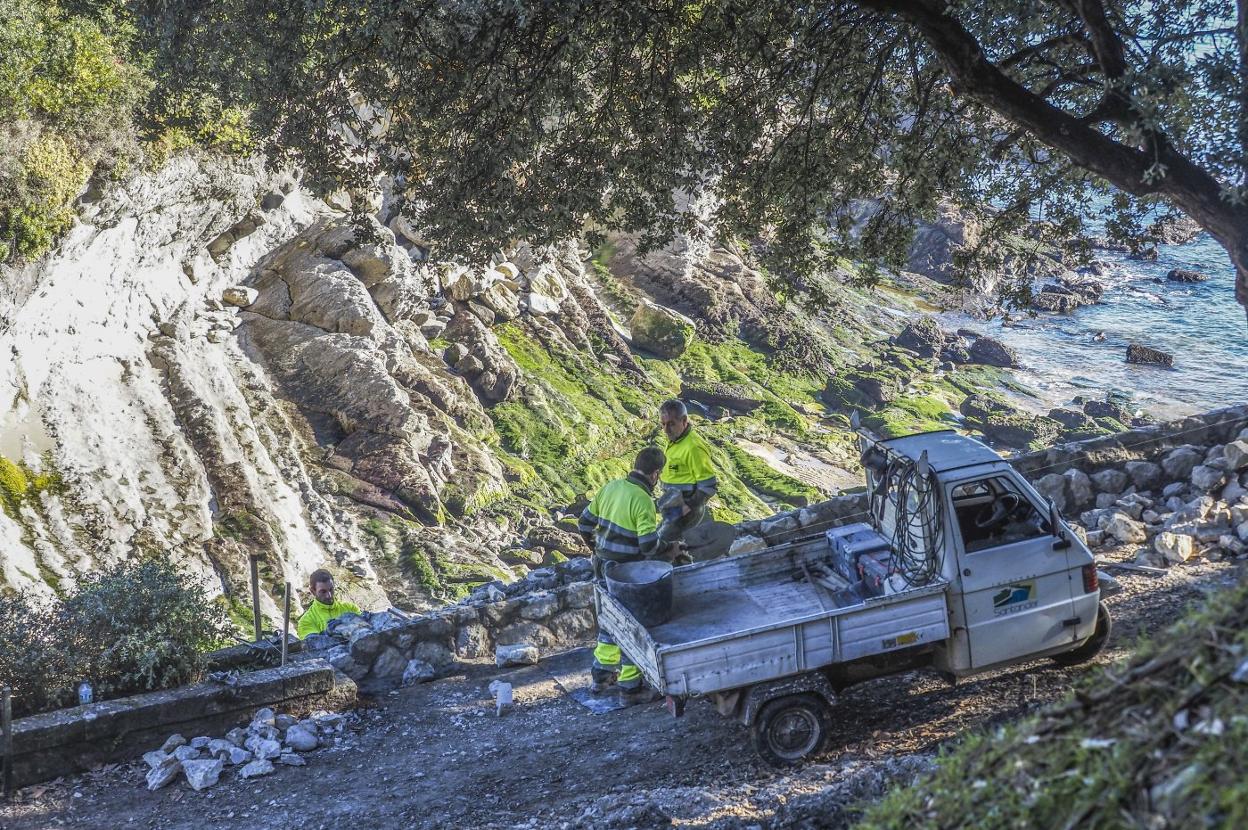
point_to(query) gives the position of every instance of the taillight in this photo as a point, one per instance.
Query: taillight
(1090, 580)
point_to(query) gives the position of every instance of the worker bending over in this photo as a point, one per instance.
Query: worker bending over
(688, 476)
(620, 525)
(323, 607)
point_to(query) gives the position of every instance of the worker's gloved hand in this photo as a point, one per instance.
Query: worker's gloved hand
(669, 552)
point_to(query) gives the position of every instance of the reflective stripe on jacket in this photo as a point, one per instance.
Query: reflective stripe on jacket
(688, 467)
(622, 519)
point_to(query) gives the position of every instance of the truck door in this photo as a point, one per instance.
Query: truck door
(1017, 595)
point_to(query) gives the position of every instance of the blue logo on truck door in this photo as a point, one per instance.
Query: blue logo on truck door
(1014, 598)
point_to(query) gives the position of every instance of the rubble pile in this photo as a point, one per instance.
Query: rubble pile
(249, 752)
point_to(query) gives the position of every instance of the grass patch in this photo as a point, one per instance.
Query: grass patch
(579, 426)
(762, 477)
(1127, 749)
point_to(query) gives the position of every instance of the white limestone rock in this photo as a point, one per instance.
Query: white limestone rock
(202, 774)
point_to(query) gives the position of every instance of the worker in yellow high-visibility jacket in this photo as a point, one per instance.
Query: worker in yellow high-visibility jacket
(324, 607)
(621, 526)
(688, 476)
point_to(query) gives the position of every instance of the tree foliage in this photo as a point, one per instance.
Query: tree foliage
(521, 119)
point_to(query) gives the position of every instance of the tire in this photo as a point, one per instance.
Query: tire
(792, 728)
(1092, 646)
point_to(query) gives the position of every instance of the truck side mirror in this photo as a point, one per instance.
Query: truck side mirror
(1061, 539)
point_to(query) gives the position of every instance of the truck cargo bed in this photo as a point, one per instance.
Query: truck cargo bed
(754, 617)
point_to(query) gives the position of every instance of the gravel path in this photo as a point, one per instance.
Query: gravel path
(436, 755)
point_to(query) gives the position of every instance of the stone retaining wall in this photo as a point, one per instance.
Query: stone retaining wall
(551, 608)
(82, 737)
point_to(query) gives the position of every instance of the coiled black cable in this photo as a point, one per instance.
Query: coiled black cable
(918, 522)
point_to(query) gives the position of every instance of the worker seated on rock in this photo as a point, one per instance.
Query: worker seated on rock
(621, 526)
(688, 476)
(324, 607)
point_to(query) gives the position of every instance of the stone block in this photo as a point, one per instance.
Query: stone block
(573, 626)
(526, 632)
(1207, 478)
(418, 671)
(539, 606)
(164, 773)
(1125, 529)
(516, 654)
(497, 614)
(472, 641)
(1053, 487)
(1175, 547)
(435, 654)
(578, 595)
(301, 739)
(389, 664)
(1179, 462)
(1145, 475)
(1078, 488)
(779, 526)
(365, 645)
(202, 774)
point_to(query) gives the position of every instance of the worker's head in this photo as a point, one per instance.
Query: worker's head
(321, 584)
(650, 463)
(674, 418)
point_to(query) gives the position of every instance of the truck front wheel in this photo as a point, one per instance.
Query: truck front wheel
(1092, 646)
(791, 728)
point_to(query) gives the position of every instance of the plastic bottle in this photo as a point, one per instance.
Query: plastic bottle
(85, 693)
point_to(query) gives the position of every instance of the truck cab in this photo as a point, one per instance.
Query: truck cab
(1021, 584)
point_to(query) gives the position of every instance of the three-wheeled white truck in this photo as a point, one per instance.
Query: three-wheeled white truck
(959, 566)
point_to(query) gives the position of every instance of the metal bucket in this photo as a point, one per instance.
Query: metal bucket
(644, 588)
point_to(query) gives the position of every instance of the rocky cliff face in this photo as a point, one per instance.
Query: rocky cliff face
(215, 366)
(212, 367)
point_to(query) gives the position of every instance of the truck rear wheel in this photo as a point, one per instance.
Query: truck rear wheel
(792, 728)
(1092, 646)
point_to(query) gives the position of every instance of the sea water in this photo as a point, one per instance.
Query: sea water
(1084, 352)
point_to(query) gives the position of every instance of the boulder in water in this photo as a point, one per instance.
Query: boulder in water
(1184, 275)
(1055, 301)
(1149, 357)
(991, 352)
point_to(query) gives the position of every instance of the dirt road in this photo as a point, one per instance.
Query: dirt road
(436, 755)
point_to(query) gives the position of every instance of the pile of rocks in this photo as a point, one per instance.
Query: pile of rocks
(252, 750)
(1068, 293)
(550, 607)
(925, 338)
(1203, 508)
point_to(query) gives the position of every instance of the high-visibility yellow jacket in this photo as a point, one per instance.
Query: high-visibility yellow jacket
(689, 469)
(318, 615)
(622, 520)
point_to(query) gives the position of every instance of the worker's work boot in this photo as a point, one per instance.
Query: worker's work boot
(641, 694)
(601, 680)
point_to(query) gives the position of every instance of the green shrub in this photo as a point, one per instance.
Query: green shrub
(197, 119)
(130, 628)
(13, 485)
(35, 658)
